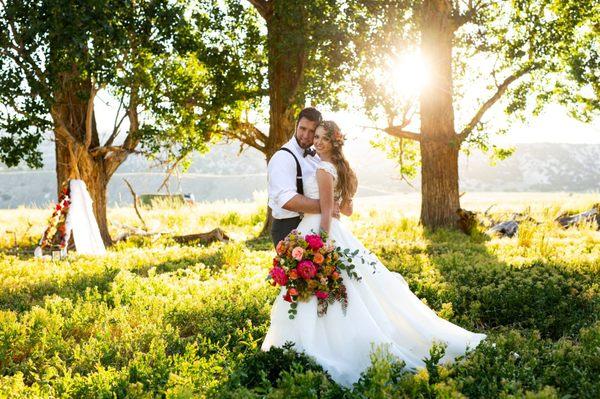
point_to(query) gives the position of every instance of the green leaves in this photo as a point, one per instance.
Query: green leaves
(179, 82)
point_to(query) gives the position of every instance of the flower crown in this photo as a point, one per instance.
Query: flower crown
(337, 137)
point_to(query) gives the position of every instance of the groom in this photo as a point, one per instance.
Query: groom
(287, 169)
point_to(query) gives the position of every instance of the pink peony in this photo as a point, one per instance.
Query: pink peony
(306, 269)
(322, 294)
(314, 241)
(329, 246)
(297, 253)
(278, 274)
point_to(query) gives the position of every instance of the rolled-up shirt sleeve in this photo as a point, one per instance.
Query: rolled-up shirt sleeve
(282, 178)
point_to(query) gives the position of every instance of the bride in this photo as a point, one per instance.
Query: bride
(382, 311)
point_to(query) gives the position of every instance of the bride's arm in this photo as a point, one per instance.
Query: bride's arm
(325, 182)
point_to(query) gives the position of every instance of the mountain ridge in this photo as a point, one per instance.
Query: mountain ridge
(222, 174)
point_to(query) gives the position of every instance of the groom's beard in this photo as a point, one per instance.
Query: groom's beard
(302, 145)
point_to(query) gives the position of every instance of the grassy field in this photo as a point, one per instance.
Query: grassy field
(156, 319)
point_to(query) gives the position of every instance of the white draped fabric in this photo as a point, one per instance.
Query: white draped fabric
(82, 222)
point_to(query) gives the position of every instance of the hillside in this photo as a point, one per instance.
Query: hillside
(223, 174)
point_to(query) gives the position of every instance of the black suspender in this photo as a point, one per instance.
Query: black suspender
(299, 186)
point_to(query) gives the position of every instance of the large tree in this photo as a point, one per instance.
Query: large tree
(519, 52)
(293, 53)
(57, 55)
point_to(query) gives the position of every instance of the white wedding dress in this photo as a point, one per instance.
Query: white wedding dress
(381, 311)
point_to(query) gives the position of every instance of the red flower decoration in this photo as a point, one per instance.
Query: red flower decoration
(321, 294)
(278, 274)
(306, 269)
(314, 241)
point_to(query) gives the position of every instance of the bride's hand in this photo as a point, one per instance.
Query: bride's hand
(322, 231)
(336, 210)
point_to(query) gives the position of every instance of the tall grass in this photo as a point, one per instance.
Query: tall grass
(153, 318)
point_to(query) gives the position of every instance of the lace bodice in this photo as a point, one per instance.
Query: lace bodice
(311, 188)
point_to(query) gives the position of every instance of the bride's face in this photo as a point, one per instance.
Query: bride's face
(322, 143)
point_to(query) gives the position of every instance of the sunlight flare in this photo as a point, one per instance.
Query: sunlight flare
(406, 74)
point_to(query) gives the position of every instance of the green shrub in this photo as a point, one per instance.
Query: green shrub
(156, 319)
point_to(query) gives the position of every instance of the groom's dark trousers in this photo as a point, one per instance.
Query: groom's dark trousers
(282, 227)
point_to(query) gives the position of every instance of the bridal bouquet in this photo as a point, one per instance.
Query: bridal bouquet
(310, 266)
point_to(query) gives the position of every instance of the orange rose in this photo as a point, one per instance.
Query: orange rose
(293, 274)
(335, 275)
(318, 258)
(280, 247)
(293, 291)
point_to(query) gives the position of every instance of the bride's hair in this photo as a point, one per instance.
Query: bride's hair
(347, 182)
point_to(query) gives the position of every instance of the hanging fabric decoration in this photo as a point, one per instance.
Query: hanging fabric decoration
(73, 214)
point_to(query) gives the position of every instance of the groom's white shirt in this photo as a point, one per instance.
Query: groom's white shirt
(281, 176)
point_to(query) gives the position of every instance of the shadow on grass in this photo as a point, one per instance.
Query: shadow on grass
(260, 243)
(487, 292)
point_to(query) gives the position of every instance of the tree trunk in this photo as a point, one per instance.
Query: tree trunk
(92, 171)
(286, 63)
(439, 189)
(439, 144)
(73, 159)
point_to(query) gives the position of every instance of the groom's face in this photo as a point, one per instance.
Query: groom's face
(305, 132)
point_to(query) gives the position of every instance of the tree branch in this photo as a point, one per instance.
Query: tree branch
(459, 19)
(131, 141)
(501, 89)
(398, 131)
(170, 171)
(89, 117)
(61, 129)
(135, 204)
(18, 45)
(31, 79)
(117, 125)
(264, 8)
(104, 150)
(115, 132)
(298, 77)
(248, 134)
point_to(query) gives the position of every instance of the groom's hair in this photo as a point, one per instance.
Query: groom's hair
(311, 114)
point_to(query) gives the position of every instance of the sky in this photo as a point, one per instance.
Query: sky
(554, 125)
